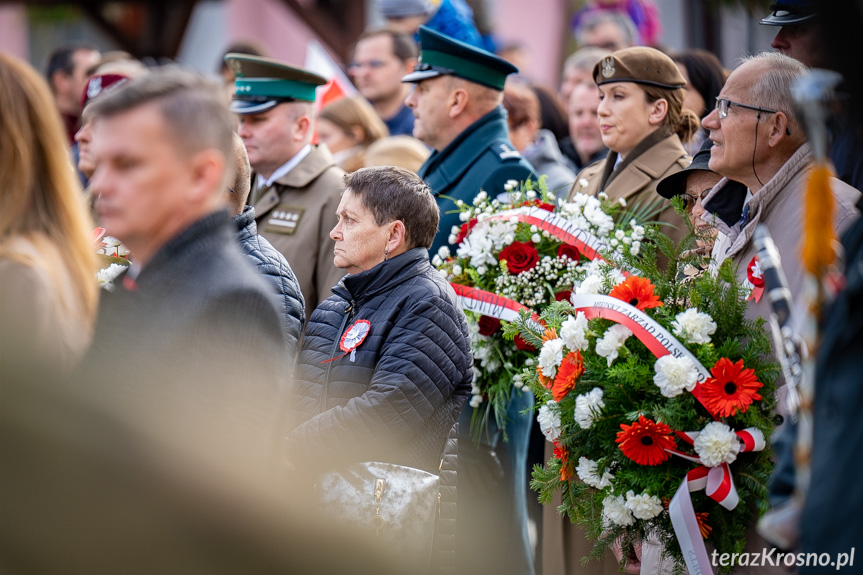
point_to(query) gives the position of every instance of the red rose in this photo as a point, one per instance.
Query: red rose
(568, 251)
(563, 295)
(488, 325)
(519, 256)
(523, 345)
(538, 204)
(465, 230)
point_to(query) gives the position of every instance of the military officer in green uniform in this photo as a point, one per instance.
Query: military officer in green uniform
(456, 101)
(296, 186)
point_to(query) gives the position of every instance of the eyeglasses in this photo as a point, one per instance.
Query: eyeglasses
(723, 104)
(690, 201)
(373, 64)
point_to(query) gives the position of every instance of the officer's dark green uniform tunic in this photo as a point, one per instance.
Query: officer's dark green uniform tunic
(480, 158)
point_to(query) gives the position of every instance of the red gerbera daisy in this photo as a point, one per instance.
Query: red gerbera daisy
(570, 370)
(645, 441)
(731, 389)
(562, 453)
(638, 292)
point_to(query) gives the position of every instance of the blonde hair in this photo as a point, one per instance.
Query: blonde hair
(403, 151)
(41, 197)
(683, 122)
(346, 113)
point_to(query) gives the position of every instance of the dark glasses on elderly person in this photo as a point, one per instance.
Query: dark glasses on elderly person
(690, 201)
(723, 105)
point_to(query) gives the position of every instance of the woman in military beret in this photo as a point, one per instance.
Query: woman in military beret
(643, 124)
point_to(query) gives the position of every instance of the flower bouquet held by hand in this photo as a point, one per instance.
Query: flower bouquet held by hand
(113, 258)
(521, 254)
(657, 395)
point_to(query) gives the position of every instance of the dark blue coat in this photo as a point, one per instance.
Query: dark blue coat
(411, 376)
(278, 274)
(480, 158)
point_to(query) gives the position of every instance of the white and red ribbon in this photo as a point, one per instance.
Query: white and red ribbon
(559, 227)
(491, 304)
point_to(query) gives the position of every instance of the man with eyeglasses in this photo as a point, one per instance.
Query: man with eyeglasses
(759, 142)
(381, 57)
(800, 37)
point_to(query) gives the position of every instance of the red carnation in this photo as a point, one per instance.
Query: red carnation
(520, 257)
(488, 325)
(568, 251)
(465, 230)
(523, 345)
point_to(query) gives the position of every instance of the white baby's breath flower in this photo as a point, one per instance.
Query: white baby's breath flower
(536, 238)
(587, 472)
(622, 202)
(475, 401)
(550, 356)
(457, 270)
(436, 261)
(452, 239)
(615, 511)
(549, 420)
(716, 444)
(534, 229)
(692, 326)
(610, 343)
(444, 252)
(588, 407)
(481, 270)
(531, 195)
(591, 284)
(572, 332)
(464, 216)
(674, 374)
(643, 506)
(510, 185)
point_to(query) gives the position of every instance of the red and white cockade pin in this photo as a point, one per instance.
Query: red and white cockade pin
(353, 337)
(756, 278)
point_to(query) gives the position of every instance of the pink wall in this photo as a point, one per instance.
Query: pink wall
(13, 30)
(269, 22)
(539, 24)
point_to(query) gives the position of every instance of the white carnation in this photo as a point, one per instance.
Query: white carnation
(643, 506)
(692, 326)
(674, 374)
(716, 444)
(550, 356)
(591, 284)
(549, 421)
(609, 345)
(573, 331)
(588, 406)
(587, 472)
(614, 510)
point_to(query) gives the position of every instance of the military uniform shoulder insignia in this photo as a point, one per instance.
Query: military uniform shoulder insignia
(284, 219)
(506, 152)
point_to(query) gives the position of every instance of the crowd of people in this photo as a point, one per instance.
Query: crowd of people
(279, 317)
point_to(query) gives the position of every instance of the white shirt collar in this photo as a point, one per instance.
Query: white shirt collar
(285, 168)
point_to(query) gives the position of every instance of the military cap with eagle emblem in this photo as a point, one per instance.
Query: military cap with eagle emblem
(640, 65)
(264, 83)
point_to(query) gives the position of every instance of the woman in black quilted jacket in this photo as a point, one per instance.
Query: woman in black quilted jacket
(385, 366)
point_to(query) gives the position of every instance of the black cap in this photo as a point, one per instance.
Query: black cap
(675, 184)
(790, 12)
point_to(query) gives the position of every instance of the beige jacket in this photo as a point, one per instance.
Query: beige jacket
(636, 184)
(297, 214)
(780, 206)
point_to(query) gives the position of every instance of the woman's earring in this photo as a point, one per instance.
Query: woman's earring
(386, 253)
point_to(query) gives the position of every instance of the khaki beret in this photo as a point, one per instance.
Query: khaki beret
(641, 65)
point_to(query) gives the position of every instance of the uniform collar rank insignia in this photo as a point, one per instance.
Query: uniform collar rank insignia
(608, 66)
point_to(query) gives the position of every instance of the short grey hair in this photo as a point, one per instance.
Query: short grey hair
(192, 106)
(585, 59)
(772, 88)
(593, 19)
